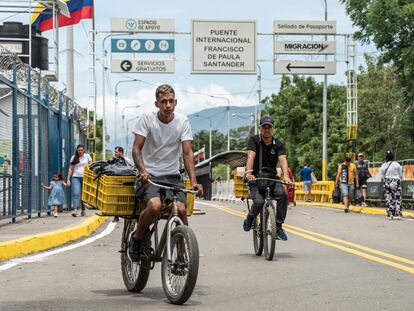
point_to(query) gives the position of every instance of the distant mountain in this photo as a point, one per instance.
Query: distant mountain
(239, 116)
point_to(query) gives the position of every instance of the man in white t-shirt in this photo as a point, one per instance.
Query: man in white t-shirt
(161, 138)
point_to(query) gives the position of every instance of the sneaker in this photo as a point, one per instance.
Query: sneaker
(390, 217)
(308, 200)
(364, 204)
(346, 210)
(247, 223)
(74, 214)
(281, 234)
(397, 217)
(135, 249)
(55, 214)
(116, 219)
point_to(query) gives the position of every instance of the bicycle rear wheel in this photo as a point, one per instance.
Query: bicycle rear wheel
(269, 224)
(135, 274)
(257, 236)
(180, 275)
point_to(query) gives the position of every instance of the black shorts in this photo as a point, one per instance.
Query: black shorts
(148, 191)
(362, 183)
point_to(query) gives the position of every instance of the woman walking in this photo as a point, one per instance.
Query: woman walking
(76, 168)
(391, 174)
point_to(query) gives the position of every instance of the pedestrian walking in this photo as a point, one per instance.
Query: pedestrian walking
(363, 175)
(75, 173)
(57, 194)
(346, 177)
(306, 177)
(391, 175)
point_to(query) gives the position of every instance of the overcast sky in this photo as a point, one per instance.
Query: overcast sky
(193, 90)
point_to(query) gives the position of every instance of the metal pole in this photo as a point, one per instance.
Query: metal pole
(127, 140)
(259, 92)
(116, 104)
(325, 117)
(228, 127)
(104, 68)
(70, 82)
(209, 147)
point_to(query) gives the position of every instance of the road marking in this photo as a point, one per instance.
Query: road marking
(313, 237)
(39, 257)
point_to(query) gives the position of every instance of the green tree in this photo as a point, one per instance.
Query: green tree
(389, 24)
(297, 113)
(383, 120)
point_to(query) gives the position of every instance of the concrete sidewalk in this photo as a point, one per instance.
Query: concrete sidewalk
(38, 234)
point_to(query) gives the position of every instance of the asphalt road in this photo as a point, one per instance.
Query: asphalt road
(332, 261)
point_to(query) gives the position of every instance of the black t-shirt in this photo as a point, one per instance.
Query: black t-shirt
(271, 152)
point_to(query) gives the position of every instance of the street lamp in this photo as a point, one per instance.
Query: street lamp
(116, 103)
(127, 140)
(123, 115)
(210, 154)
(247, 115)
(228, 126)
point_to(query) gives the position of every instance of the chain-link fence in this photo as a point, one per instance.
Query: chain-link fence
(37, 137)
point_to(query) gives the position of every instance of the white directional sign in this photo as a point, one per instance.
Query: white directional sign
(305, 47)
(142, 66)
(304, 67)
(224, 47)
(142, 25)
(304, 27)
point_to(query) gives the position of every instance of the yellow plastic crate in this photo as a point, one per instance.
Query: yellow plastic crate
(89, 188)
(240, 188)
(115, 195)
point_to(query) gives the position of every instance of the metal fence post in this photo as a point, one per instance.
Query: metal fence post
(39, 143)
(49, 131)
(30, 144)
(15, 156)
(60, 151)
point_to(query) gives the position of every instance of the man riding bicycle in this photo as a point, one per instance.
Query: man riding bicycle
(161, 137)
(272, 150)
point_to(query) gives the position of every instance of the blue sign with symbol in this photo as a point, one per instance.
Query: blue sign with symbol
(142, 46)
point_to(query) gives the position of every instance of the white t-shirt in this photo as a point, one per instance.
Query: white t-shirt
(79, 168)
(162, 148)
(394, 170)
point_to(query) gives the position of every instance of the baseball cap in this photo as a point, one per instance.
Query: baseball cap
(360, 154)
(266, 120)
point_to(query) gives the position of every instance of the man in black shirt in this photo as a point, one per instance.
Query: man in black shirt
(273, 150)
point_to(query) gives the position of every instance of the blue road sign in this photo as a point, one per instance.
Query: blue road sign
(142, 46)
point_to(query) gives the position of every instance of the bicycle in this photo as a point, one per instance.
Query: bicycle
(264, 225)
(177, 249)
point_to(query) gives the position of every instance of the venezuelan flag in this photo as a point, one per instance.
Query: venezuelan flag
(42, 19)
(196, 156)
(202, 154)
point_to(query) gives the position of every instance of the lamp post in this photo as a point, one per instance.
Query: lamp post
(123, 115)
(116, 103)
(325, 115)
(127, 140)
(228, 126)
(210, 154)
(259, 92)
(248, 115)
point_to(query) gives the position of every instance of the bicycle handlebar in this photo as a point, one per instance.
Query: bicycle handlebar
(175, 188)
(269, 179)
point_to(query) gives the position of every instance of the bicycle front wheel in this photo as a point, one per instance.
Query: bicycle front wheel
(135, 275)
(257, 236)
(180, 275)
(269, 223)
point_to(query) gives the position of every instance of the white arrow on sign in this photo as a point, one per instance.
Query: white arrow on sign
(126, 65)
(304, 67)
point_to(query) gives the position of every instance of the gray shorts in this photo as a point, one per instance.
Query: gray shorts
(347, 190)
(148, 191)
(306, 186)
